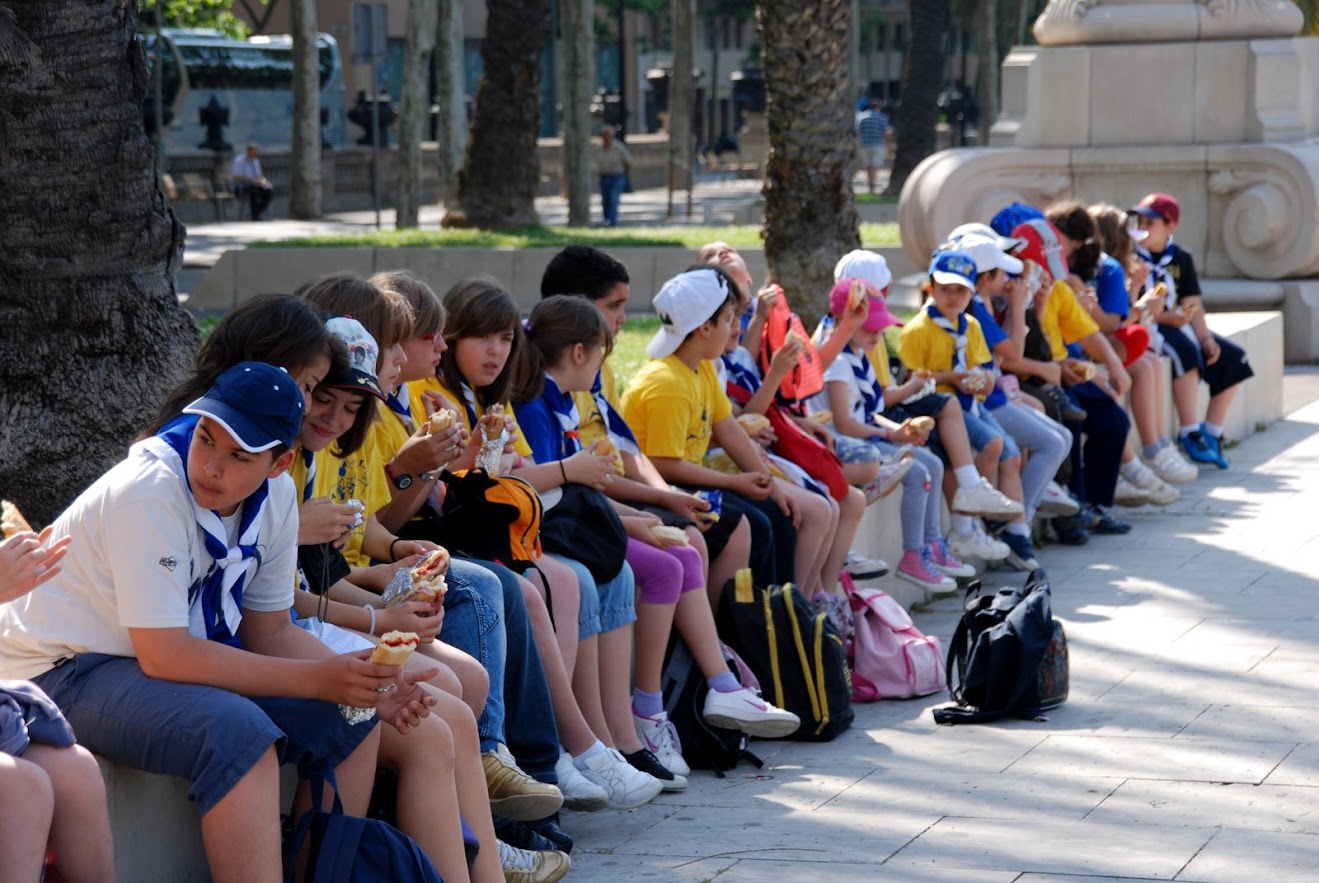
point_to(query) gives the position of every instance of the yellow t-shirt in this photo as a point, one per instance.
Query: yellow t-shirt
(1062, 320)
(361, 476)
(672, 409)
(519, 443)
(927, 347)
(591, 425)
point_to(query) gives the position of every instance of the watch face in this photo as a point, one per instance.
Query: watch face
(403, 482)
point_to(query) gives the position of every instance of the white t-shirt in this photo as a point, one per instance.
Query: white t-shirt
(137, 560)
(840, 372)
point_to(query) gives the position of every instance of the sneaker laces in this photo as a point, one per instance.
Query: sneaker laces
(666, 738)
(513, 859)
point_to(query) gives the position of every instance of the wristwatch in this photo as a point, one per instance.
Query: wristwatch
(403, 481)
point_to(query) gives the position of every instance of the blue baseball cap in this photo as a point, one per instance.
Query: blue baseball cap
(1014, 215)
(258, 404)
(954, 267)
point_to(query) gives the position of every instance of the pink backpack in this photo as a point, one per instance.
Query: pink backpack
(891, 659)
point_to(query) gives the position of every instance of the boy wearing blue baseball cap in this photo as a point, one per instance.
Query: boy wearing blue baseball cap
(166, 639)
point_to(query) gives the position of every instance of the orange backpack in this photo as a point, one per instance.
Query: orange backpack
(494, 518)
(807, 378)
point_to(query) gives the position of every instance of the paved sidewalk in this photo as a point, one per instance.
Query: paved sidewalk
(1187, 751)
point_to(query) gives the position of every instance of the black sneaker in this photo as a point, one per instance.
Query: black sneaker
(550, 830)
(1066, 405)
(647, 762)
(1071, 530)
(522, 836)
(1106, 523)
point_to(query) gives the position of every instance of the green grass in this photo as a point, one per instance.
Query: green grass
(870, 198)
(630, 348)
(738, 235)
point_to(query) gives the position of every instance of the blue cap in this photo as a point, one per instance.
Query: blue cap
(258, 404)
(1012, 216)
(954, 267)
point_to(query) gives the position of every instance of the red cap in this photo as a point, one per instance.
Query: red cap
(1159, 205)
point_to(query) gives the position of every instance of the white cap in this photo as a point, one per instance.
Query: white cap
(685, 303)
(866, 266)
(1006, 243)
(987, 254)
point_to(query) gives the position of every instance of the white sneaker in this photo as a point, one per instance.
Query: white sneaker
(627, 786)
(1158, 491)
(579, 793)
(861, 567)
(1128, 494)
(744, 710)
(977, 544)
(658, 735)
(985, 500)
(1172, 466)
(1056, 501)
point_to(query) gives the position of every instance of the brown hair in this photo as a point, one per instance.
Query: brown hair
(479, 307)
(1111, 230)
(384, 313)
(1074, 221)
(428, 314)
(557, 324)
(280, 329)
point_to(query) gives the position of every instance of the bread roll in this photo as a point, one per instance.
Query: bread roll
(823, 418)
(753, 423)
(792, 338)
(394, 648)
(923, 425)
(1083, 369)
(442, 420)
(495, 411)
(428, 583)
(11, 520)
(856, 295)
(604, 447)
(674, 535)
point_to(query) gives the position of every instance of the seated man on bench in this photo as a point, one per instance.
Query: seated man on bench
(248, 180)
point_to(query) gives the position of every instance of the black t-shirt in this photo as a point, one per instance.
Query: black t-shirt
(1182, 271)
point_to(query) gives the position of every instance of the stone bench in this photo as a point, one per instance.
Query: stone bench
(1257, 404)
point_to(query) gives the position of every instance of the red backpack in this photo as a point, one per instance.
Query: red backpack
(807, 378)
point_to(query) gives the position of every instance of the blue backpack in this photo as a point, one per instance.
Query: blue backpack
(350, 849)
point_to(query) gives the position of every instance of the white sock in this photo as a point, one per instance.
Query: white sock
(967, 476)
(1213, 429)
(1133, 469)
(580, 760)
(962, 525)
(1187, 430)
(1020, 528)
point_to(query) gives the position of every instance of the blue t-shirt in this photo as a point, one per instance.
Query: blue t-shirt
(1111, 287)
(994, 335)
(541, 429)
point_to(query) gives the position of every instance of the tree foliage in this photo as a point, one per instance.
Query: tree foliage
(216, 14)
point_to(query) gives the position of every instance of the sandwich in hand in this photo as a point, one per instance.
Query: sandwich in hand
(11, 520)
(441, 420)
(821, 418)
(669, 534)
(428, 583)
(923, 425)
(394, 648)
(792, 338)
(856, 295)
(1083, 369)
(753, 423)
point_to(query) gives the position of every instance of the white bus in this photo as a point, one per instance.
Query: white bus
(252, 78)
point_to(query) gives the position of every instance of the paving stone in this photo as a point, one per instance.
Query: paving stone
(1057, 847)
(761, 870)
(1293, 808)
(1300, 767)
(1204, 760)
(1234, 856)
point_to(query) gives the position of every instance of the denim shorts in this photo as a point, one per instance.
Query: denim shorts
(209, 736)
(855, 450)
(606, 606)
(982, 428)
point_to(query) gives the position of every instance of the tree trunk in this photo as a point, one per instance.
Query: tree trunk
(578, 25)
(922, 78)
(681, 100)
(89, 320)
(415, 107)
(305, 193)
(987, 66)
(498, 181)
(810, 218)
(451, 87)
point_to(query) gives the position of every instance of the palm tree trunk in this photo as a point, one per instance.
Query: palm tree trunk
(92, 335)
(987, 66)
(682, 97)
(922, 78)
(451, 88)
(305, 192)
(810, 217)
(498, 180)
(578, 23)
(417, 48)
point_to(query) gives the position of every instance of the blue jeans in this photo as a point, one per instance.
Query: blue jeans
(529, 730)
(611, 190)
(1097, 445)
(1048, 443)
(475, 621)
(604, 606)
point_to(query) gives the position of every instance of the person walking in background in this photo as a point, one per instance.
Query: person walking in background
(612, 163)
(872, 125)
(248, 179)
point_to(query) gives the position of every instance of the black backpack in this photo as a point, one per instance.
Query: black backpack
(1008, 657)
(795, 653)
(704, 747)
(349, 849)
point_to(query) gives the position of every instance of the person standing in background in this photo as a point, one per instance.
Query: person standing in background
(612, 163)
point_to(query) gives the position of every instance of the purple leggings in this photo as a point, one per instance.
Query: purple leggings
(664, 574)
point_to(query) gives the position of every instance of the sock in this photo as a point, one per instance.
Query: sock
(967, 476)
(1187, 430)
(580, 760)
(723, 683)
(1213, 429)
(1132, 469)
(1151, 451)
(962, 525)
(1020, 528)
(647, 704)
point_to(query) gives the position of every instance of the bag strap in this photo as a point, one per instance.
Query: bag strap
(957, 653)
(965, 716)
